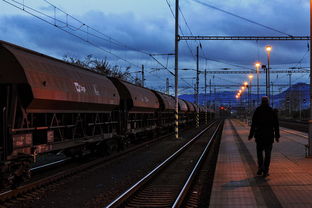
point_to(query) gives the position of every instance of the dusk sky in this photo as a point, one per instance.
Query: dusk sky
(127, 31)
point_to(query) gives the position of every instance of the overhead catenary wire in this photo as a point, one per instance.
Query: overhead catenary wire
(68, 28)
(173, 15)
(23, 8)
(240, 17)
(115, 41)
(189, 28)
(171, 10)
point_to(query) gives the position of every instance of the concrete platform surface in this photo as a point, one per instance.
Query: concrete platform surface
(236, 184)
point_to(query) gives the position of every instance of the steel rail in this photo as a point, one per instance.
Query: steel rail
(180, 198)
(10, 194)
(48, 165)
(125, 195)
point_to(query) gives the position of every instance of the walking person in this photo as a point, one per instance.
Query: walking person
(264, 128)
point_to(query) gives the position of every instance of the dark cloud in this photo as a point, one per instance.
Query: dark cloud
(156, 35)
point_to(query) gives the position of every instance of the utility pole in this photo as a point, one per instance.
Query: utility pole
(272, 98)
(289, 94)
(258, 87)
(197, 85)
(210, 92)
(143, 79)
(214, 101)
(167, 86)
(310, 120)
(206, 113)
(299, 104)
(195, 93)
(176, 68)
(268, 78)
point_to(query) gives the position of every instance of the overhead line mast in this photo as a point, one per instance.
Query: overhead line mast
(176, 68)
(310, 120)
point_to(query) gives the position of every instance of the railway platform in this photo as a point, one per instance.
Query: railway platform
(236, 184)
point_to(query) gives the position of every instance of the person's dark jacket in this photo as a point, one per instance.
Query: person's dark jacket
(264, 126)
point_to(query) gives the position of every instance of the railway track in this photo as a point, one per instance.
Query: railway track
(295, 125)
(30, 190)
(168, 184)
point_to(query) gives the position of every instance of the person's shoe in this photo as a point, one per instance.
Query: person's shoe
(259, 172)
(265, 174)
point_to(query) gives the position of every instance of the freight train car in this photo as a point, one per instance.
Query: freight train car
(51, 106)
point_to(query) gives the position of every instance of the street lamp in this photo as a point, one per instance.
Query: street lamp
(258, 65)
(249, 94)
(268, 49)
(245, 86)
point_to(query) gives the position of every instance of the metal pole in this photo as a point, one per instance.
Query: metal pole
(197, 73)
(289, 94)
(310, 120)
(248, 102)
(299, 104)
(258, 89)
(268, 71)
(250, 97)
(143, 75)
(214, 101)
(272, 99)
(210, 90)
(197, 85)
(176, 69)
(167, 86)
(206, 113)
(266, 80)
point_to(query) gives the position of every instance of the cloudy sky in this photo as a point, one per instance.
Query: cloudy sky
(125, 33)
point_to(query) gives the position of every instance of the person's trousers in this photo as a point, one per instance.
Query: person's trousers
(264, 164)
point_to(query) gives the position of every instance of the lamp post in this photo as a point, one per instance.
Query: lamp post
(268, 49)
(246, 87)
(272, 95)
(310, 117)
(250, 81)
(258, 65)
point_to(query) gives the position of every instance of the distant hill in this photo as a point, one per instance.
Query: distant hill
(296, 94)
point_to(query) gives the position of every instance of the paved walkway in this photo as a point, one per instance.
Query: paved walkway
(235, 181)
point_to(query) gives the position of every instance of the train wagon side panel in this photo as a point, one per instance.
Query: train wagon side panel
(63, 84)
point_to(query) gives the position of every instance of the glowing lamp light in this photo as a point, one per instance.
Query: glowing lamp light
(245, 84)
(268, 48)
(237, 96)
(250, 76)
(243, 87)
(257, 65)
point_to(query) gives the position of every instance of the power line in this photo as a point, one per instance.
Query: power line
(187, 25)
(227, 63)
(110, 39)
(69, 28)
(169, 5)
(240, 17)
(171, 10)
(61, 28)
